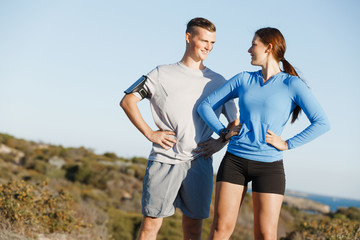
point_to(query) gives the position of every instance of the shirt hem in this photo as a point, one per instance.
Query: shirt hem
(259, 158)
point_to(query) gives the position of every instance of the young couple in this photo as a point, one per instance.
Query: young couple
(186, 95)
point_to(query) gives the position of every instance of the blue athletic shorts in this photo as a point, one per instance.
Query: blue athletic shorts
(187, 186)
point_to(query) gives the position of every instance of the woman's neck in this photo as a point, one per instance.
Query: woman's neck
(271, 69)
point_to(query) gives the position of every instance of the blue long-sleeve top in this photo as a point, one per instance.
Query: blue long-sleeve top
(265, 106)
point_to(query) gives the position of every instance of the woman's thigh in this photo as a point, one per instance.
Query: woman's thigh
(267, 208)
(228, 198)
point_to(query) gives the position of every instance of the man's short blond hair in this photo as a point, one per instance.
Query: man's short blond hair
(200, 22)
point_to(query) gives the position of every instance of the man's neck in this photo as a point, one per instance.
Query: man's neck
(191, 63)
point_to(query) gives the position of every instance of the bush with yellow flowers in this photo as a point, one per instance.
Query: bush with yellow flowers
(34, 209)
(344, 224)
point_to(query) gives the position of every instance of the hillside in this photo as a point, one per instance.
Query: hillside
(53, 192)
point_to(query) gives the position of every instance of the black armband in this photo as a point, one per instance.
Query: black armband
(138, 87)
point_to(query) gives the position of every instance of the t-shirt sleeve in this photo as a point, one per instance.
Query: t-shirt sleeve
(319, 123)
(222, 95)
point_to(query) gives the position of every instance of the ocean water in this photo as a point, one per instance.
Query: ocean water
(333, 202)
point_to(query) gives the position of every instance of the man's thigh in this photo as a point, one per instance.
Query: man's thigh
(195, 193)
(161, 185)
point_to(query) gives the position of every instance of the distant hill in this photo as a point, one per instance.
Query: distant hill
(54, 192)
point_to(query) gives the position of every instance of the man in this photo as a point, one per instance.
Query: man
(179, 171)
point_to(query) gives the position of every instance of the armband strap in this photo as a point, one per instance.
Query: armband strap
(138, 87)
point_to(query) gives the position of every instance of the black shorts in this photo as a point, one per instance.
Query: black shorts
(266, 177)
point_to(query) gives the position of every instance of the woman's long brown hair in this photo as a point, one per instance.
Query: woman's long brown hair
(274, 37)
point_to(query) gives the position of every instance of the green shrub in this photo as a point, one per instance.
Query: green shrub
(110, 155)
(139, 160)
(171, 228)
(79, 173)
(7, 157)
(351, 213)
(123, 226)
(138, 171)
(40, 166)
(339, 227)
(34, 209)
(4, 138)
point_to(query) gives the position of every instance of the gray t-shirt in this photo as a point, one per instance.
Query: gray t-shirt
(175, 92)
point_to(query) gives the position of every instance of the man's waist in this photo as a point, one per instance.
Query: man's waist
(172, 155)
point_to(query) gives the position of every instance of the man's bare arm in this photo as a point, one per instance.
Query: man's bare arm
(161, 137)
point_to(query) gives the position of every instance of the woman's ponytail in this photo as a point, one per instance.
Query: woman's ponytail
(288, 68)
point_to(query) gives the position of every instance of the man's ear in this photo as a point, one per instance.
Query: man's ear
(187, 37)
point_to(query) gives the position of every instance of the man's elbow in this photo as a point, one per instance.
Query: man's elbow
(124, 102)
(128, 102)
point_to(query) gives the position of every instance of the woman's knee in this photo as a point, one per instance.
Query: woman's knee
(266, 234)
(224, 226)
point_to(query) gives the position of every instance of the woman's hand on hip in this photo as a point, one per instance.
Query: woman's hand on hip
(276, 141)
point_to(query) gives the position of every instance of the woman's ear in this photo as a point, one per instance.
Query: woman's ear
(269, 48)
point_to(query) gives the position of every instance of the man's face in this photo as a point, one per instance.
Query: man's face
(200, 43)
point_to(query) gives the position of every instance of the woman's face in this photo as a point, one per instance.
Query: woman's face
(258, 51)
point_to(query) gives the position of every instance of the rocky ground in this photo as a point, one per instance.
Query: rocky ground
(106, 191)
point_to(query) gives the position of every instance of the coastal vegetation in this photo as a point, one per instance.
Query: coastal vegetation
(56, 192)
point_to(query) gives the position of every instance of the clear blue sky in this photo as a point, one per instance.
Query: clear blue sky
(64, 66)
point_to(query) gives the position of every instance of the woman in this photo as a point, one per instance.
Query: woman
(267, 98)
